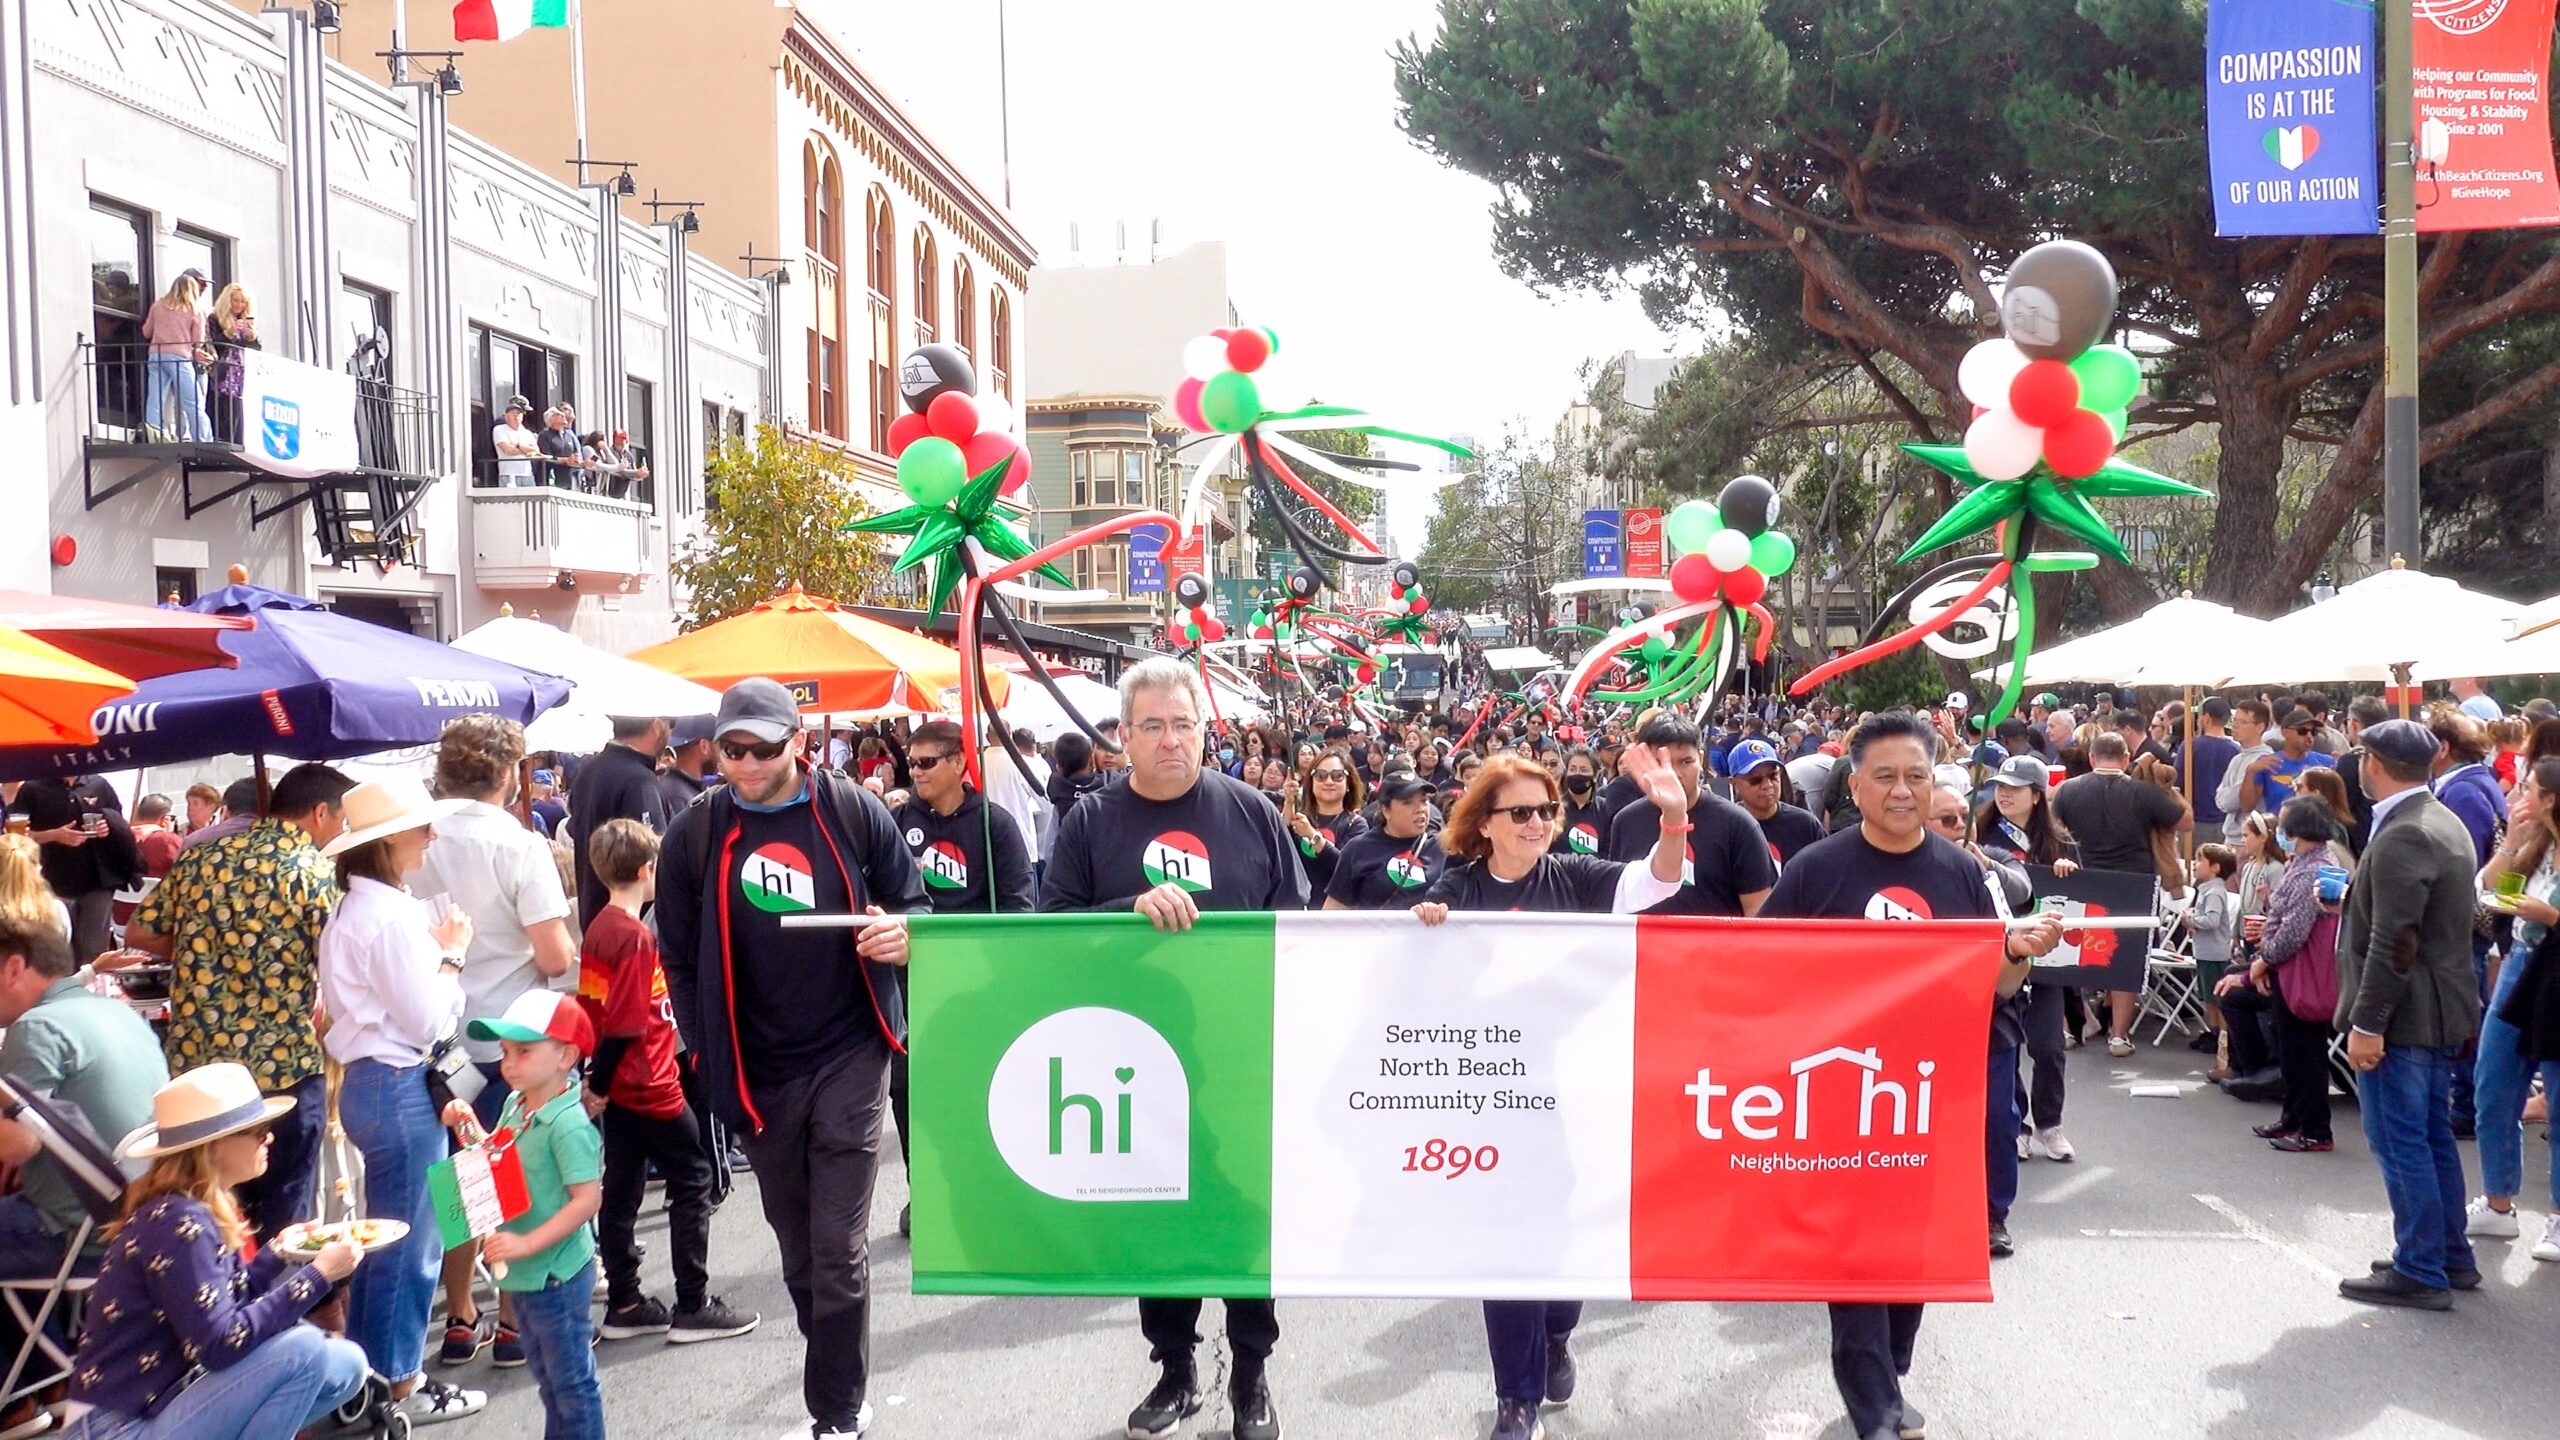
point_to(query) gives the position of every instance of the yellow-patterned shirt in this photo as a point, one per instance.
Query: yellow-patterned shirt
(243, 915)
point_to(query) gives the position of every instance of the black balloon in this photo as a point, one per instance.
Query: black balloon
(1408, 574)
(931, 370)
(1191, 590)
(1748, 504)
(1305, 583)
(2059, 300)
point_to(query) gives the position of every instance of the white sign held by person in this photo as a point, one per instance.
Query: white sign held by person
(296, 419)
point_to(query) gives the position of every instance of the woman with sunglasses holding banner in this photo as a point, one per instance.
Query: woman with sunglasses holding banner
(1497, 839)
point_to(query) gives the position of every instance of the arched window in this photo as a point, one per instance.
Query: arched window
(964, 308)
(927, 302)
(822, 230)
(999, 342)
(880, 270)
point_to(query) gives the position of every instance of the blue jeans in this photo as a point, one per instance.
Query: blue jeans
(2504, 1076)
(388, 1115)
(290, 1382)
(2001, 1132)
(559, 1347)
(2465, 1103)
(174, 376)
(2408, 1124)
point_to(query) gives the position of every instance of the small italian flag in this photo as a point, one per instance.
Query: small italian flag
(507, 19)
(475, 1191)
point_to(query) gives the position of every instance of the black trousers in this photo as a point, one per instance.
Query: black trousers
(2302, 1048)
(1870, 1353)
(815, 1160)
(1517, 1333)
(1172, 1328)
(2247, 1017)
(898, 1104)
(2044, 1049)
(631, 1142)
(283, 1195)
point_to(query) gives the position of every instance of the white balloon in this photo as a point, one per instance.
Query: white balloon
(1991, 621)
(1987, 369)
(1206, 357)
(995, 415)
(2002, 446)
(1728, 549)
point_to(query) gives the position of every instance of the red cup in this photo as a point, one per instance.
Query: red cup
(2253, 928)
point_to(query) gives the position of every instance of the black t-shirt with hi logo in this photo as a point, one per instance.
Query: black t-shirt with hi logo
(1582, 829)
(1380, 872)
(1320, 863)
(1571, 884)
(1220, 840)
(800, 997)
(953, 858)
(1728, 856)
(1790, 829)
(1842, 877)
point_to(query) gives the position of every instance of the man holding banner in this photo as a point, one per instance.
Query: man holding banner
(1172, 842)
(1890, 867)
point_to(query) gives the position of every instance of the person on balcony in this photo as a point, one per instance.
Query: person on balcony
(515, 445)
(175, 331)
(235, 329)
(560, 444)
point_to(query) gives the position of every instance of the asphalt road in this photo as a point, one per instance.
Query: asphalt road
(2178, 1280)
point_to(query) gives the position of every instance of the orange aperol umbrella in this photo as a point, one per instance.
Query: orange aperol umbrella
(47, 694)
(834, 660)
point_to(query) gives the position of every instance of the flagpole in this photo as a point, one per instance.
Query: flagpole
(578, 79)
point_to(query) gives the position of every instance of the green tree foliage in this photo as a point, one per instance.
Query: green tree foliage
(775, 514)
(1505, 534)
(1842, 181)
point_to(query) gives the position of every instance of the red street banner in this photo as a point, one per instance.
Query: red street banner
(1644, 545)
(2481, 71)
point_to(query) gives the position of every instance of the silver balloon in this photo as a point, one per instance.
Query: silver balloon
(2060, 300)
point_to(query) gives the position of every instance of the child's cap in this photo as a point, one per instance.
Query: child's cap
(541, 1015)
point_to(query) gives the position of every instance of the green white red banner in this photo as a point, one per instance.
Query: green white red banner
(1522, 1106)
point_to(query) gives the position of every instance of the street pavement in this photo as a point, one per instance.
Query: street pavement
(2179, 1279)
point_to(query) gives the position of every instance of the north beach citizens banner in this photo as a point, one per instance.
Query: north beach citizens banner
(299, 420)
(2289, 88)
(1522, 1106)
(2481, 73)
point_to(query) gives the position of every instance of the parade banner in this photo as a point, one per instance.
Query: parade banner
(2096, 959)
(1644, 544)
(2289, 88)
(1146, 560)
(300, 420)
(2480, 71)
(1604, 555)
(1513, 1106)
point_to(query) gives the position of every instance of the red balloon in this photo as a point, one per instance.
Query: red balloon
(1693, 578)
(1020, 474)
(1223, 331)
(1247, 349)
(2044, 394)
(953, 416)
(2080, 446)
(906, 430)
(1186, 405)
(982, 451)
(1745, 586)
(1213, 630)
(1418, 606)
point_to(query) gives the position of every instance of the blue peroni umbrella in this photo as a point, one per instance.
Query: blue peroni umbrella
(311, 685)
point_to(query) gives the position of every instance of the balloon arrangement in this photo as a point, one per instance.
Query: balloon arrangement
(1729, 552)
(950, 432)
(1406, 621)
(2050, 404)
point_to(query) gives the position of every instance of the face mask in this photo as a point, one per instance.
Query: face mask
(1226, 754)
(1578, 784)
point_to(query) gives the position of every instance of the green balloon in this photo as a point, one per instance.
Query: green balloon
(1230, 401)
(932, 471)
(2109, 377)
(1654, 647)
(1690, 524)
(2116, 421)
(1772, 553)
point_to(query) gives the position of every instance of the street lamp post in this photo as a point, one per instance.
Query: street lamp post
(2399, 291)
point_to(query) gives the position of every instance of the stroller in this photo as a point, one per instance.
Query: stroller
(90, 1164)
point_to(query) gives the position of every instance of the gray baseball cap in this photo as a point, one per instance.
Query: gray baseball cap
(2024, 770)
(759, 707)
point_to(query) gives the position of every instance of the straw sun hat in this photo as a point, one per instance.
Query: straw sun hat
(202, 1105)
(386, 807)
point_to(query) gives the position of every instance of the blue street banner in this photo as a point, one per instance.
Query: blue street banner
(1146, 560)
(1604, 548)
(2289, 94)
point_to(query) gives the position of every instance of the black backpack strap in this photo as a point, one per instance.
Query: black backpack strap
(699, 842)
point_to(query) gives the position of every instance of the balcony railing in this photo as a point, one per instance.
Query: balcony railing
(528, 536)
(634, 483)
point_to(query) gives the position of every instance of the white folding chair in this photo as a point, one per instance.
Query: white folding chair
(2170, 991)
(62, 1134)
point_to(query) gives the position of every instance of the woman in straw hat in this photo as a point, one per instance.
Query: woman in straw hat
(174, 1294)
(390, 981)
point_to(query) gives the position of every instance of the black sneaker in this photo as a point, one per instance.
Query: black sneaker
(1175, 1399)
(2002, 1247)
(1560, 1375)
(464, 1340)
(1255, 1419)
(2466, 1278)
(710, 1320)
(1517, 1420)
(644, 1316)
(820, 1430)
(906, 1219)
(1912, 1426)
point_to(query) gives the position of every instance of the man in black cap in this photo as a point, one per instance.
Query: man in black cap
(2408, 1002)
(793, 1028)
(691, 763)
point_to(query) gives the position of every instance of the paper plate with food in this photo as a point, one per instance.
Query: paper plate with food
(310, 1237)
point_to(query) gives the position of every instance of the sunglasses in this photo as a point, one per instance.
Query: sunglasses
(921, 763)
(1523, 814)
(1329, 775)
(736, 751)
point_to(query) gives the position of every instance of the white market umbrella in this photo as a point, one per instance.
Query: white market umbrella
(2180, 642)
(2533, 650)
(606, 684)
(2375, 631)
(1031, 706)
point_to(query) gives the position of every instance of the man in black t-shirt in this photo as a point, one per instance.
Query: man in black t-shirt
(1729, 869)
(1172, 841)
(620, 783)
(1758, 779)
(1889, 867)
(793, 1028)
(2114, 817)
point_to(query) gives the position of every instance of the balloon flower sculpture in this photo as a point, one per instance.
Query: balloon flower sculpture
(1728, 552)
(1300, 631)
(2049, 409)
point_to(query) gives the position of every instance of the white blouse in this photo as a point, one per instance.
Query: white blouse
(387, 998)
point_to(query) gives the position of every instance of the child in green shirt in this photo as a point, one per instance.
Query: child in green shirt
(545, 1259)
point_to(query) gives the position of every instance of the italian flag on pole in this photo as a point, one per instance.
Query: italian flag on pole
(507, 19)
(1515, 1106)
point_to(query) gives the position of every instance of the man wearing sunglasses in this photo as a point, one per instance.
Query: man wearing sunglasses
(1728, 870)
(793, 1028)
(2268, 782)
(1758, 781)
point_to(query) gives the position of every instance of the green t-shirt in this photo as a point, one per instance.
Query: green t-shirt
(93, 1053)
(558, 1148)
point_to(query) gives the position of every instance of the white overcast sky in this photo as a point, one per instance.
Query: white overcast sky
(1270, 126)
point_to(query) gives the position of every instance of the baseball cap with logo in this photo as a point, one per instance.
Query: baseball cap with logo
(1402, 785)
(541, 1015)
(759, 707)
(2024, 772)
(1958, 700)
(1748, 756)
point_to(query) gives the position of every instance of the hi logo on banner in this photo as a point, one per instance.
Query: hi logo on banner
(1092, 1104)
